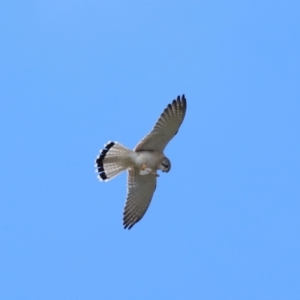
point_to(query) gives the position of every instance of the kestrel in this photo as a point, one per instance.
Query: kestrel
(142, 162)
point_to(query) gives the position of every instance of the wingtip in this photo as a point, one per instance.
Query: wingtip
(128, 226)
(180, 98)
(181, 101)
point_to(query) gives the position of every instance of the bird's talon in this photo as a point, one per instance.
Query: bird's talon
(155, 174)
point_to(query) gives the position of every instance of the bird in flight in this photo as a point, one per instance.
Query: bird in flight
(142, 162)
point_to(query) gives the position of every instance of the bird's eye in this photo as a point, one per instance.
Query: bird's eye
(165, 165)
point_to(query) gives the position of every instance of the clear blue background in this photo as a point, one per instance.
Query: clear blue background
(224, 223)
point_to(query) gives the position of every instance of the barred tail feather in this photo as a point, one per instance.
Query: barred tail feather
(109, 162)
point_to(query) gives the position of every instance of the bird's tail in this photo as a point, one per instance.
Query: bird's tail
(111, 161)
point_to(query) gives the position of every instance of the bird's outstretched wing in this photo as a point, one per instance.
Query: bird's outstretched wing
(139, 195)
(165, 128)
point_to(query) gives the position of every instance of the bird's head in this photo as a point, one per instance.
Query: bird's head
(165, 165)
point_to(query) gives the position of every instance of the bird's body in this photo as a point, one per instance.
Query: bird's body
(149, 159)
(143, 162)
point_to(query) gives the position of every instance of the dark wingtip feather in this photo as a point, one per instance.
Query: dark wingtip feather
(183, 99)
(127, 225)
(129, 221)
(179, 99)
(184, 102)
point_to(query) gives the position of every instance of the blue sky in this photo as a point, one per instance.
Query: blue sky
(224, 223)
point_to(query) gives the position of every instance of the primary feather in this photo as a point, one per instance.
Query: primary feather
(165, 128)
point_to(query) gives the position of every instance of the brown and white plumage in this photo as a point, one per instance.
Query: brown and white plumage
(143, 162)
